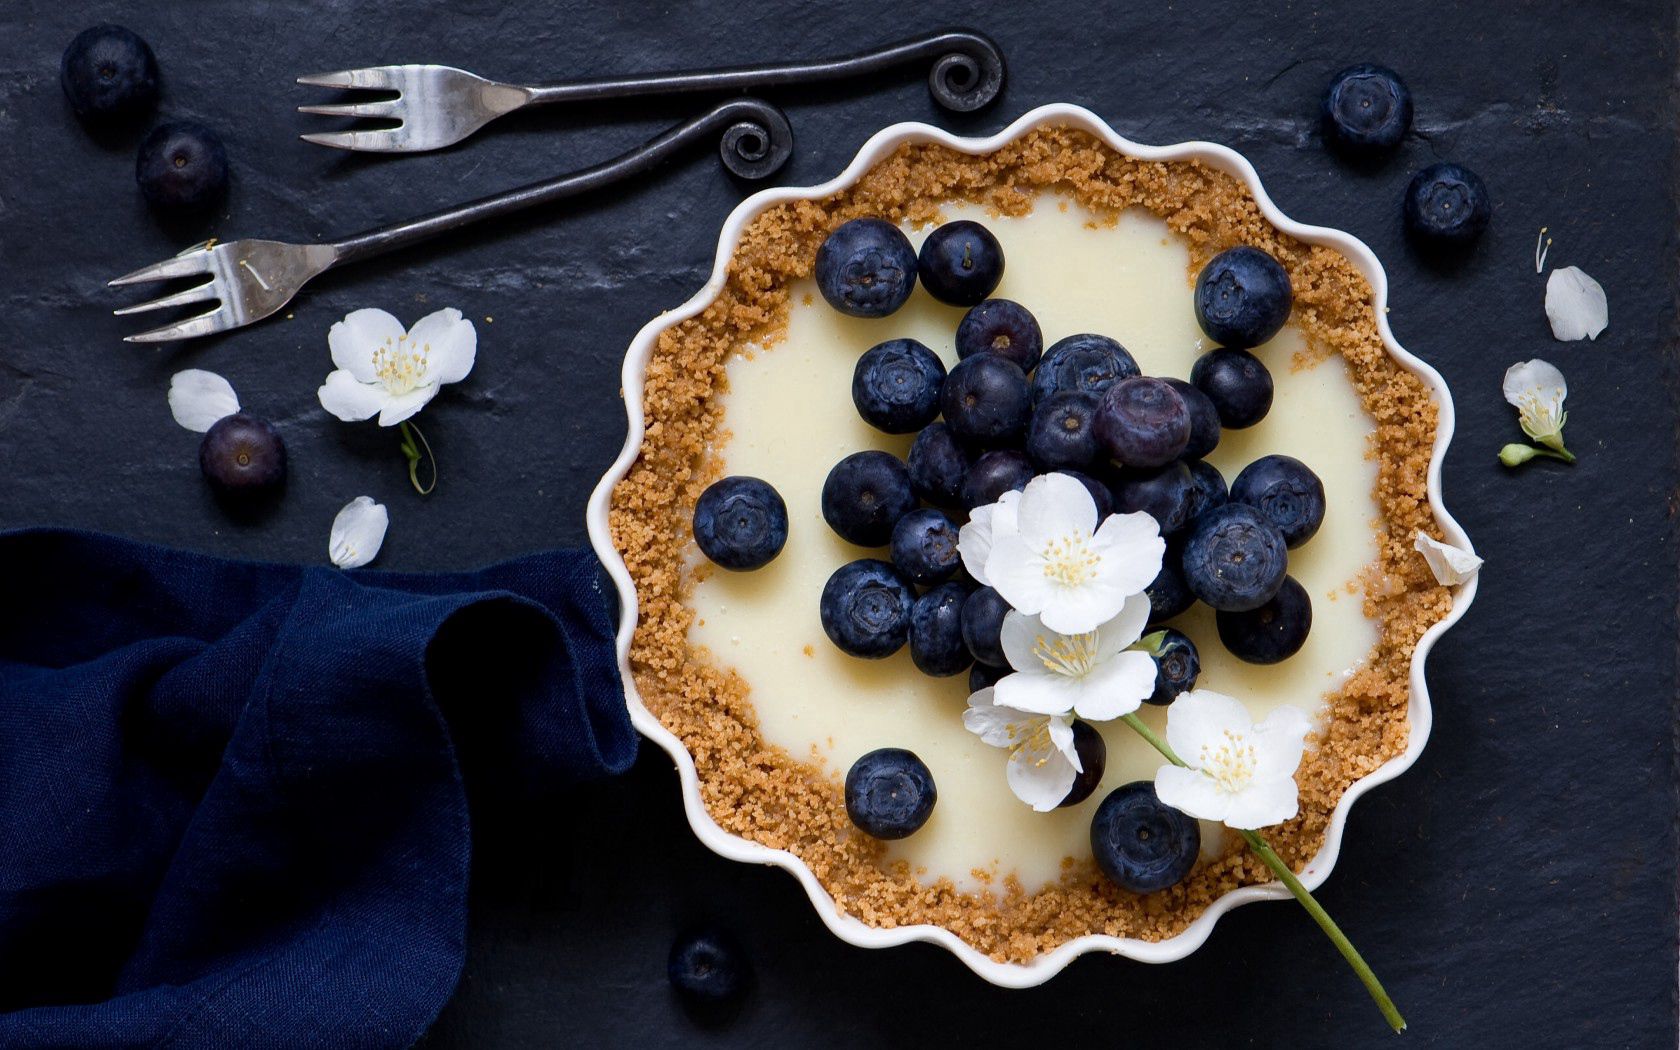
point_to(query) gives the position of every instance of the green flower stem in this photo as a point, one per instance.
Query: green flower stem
(1287, 877)
(413, 442)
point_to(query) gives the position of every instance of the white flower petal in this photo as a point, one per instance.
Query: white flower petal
(1041, 693)
(357, 533)
(1118, 688)
(1451, 565)
(450, 343)
(354, 340)
(1575, 305)
(1526, 378)
(1019, 634)
(1125, 629)
(1017, 571)
(1279, 740)
(1041, 779)
(1263, 804)
(974, 542)
(402, 406)
(198, 399)
(1190, 792)
(1052, 506)
(1061, 738)
(1199, 719)
(349, 400)
(1075, 610)
(1131, 548)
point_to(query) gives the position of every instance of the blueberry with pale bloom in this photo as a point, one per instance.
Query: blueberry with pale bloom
(938, 465)
(866, 268)
(1142, 422)
(1002, 327)
(865, 608)
(1240, 773)
(890, 793)
(1177, 666)
(1243, 297)
(936, 639)
(1287, 492)
(924, 547)
(985, 401)
(1167, 494)
(1209, 485)
(864, 496)
(1086, 362)
(1238, 384)
(1234, 558)
(1271, 633)
(994, 473)
(1143, 844)
(982, 626)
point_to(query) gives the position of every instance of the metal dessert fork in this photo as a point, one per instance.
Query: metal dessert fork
(437, 106)
(254, 278)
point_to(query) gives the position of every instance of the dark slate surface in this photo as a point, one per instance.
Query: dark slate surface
(1515, 889)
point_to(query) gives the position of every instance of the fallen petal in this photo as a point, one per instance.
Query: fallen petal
(1575, 304)
(1451, 565)
(197, 399)
(357, 533)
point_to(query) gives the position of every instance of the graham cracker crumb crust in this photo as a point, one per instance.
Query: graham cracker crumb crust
(760, 791)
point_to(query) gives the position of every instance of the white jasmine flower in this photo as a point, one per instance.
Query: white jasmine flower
(1042, 759)
(1451, 565)
(1536, 389)
(1241, 774)
(387, 371)
(1575, 305)
(1058, 563)
(974, 539)
(1092, 674)
(357, 533)
(199, 399)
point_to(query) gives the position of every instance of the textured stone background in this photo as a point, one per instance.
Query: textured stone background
(1516, 888)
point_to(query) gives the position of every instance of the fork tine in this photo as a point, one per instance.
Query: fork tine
(178, 266)
(382, 140)
(196, 294)
(378, 78)
(359, 109)
(217, 320)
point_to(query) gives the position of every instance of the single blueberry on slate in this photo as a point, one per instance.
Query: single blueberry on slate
(1168, 594)
(740, 523)
(1287, 492)
(1164, 493)
(1092, 750)
(982, 626)
(1447, 207)
(108, 73)
(1087, 362)
(1237, 383)
(994, 473)
(936, 642)
(1210, 487)
(243, 456)
(982, 675)
(1242, 297)
(1142, 422)
(866, 268)
(960, 263)
(1003, 327)
(1142, 844)
(1204, 420)
(1234, 558)
(182, 167)
(865, 495)
(1177, 666)
(1366, 110)
(985, 401)
(708, 967)
(1100, 495)
(1063, 431)
(895, 386)
(924, 547)
(1273, 632)
(865, 608)
(938, 465)
(890, 793)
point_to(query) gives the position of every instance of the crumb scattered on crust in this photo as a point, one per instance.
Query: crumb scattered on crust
(762, 792)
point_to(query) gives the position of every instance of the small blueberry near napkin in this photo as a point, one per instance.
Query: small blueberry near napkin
(234, 797)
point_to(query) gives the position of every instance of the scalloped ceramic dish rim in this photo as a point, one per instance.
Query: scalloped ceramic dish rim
(852, 930)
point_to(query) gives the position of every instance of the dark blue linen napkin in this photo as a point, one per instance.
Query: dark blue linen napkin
(234, 796)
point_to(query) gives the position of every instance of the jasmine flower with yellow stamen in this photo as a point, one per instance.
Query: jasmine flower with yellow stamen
(1042, 760)
(387, 371)
(1236, 771)
(1093, 674)
(1537, 389)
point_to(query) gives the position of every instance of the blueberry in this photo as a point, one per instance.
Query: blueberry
(985, 400)
(1242, 297)
(1447, 207)
(1143, 845)
(1366, 111)
(960, 263)
(1092, 750)
(994, 473)
(938, 465)
(1287, 492)
(890, 793)
(708, 967)
(896, 386)
(982, 675)
(1099, 492)
(108, 73)
(936, 642)
(1210, 488)
(866, 268)
(1003, 327)
(1204, 420)
(182, 168)
(1168, 594)
(982, 626)
(1273, 632)
(865, 495)
(243, 457)
(865, 608)
(740, 523)
(1165, 494)
(924, 547)
(1237, 383)
(1234, 559)
(1087, 362)
(1063, 431)
(1142, 422)
(1176, 666)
